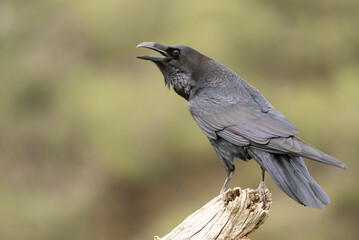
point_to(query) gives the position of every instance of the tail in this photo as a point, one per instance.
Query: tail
(292, 177)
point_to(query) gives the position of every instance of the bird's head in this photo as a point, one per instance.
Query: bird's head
(178, 64)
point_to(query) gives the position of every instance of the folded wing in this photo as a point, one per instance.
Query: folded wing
(244, 123)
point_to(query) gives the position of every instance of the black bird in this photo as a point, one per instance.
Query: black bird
(240, 123)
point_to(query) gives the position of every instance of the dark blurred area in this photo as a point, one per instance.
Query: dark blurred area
(93, 146)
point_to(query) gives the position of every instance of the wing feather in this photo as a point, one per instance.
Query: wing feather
(215, 113)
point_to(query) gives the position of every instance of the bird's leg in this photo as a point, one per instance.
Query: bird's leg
(229, 176)
(262, 183)
(262, 186)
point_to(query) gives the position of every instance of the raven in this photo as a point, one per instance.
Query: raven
(240, 123)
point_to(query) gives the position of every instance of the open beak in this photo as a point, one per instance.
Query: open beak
(157, 47)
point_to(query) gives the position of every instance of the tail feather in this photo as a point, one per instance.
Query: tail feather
(292, 177)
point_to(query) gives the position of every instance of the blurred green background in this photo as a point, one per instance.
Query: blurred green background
(93, 146)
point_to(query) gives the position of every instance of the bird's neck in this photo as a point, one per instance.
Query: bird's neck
(180, 82)
(216, 75)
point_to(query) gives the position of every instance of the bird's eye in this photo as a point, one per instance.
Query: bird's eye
(175, 52)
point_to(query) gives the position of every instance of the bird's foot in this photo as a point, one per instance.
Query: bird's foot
(230, 194)
(262, 192)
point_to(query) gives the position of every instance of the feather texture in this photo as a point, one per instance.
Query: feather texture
(291, 175)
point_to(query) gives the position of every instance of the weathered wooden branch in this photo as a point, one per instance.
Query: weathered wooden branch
(231, 215)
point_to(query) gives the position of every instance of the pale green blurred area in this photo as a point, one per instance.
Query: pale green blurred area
(93, 146)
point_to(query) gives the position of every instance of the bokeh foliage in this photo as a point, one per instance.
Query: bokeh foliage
(93, 146)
